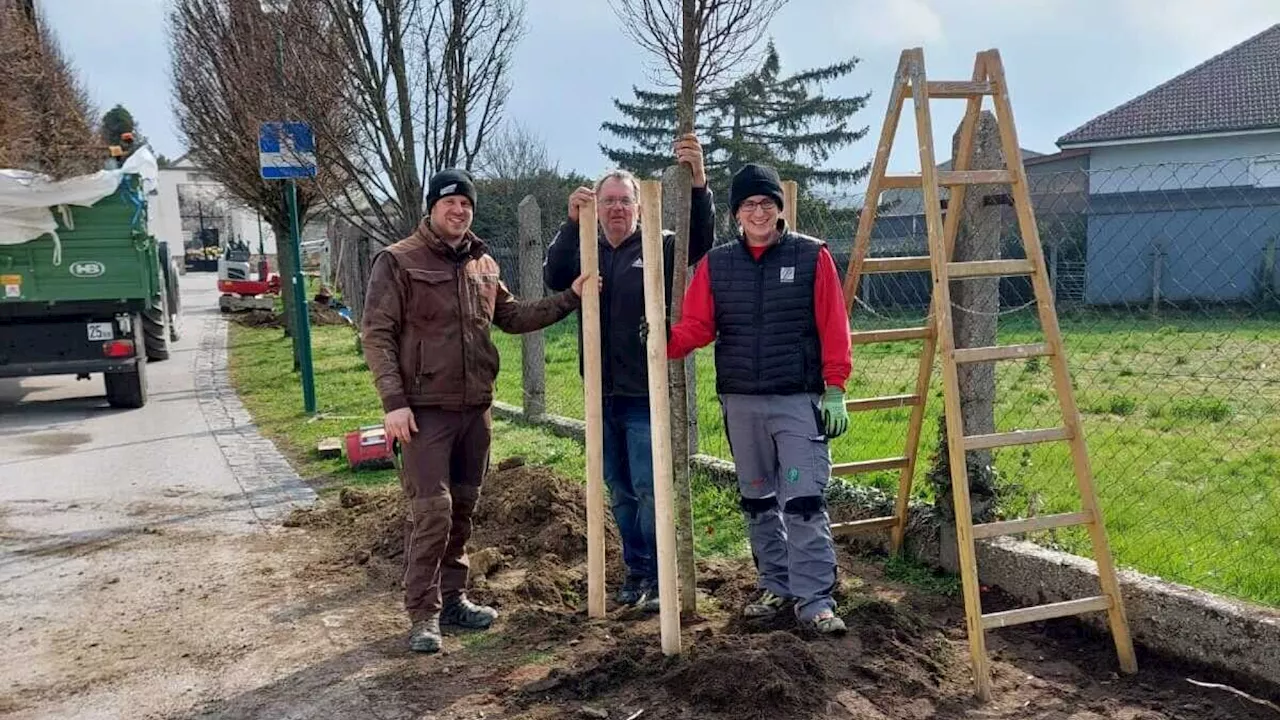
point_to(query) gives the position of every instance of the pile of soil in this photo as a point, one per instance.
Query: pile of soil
(320, 315)
(905, 656)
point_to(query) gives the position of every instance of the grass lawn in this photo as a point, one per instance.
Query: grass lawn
(1181, 414)
(260, 365)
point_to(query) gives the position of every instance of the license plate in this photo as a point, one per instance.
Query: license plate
(101, 331)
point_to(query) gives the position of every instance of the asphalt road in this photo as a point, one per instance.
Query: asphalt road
(113, 517)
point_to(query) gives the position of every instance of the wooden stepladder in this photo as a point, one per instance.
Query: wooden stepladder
(938, 336)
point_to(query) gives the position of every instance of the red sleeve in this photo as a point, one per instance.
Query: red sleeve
(833, 323)
(697, 324)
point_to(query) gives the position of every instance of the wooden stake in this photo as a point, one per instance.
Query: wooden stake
(790, 190)
(593, 410)
(660, 412)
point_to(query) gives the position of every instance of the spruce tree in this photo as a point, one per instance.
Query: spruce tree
(763, 117)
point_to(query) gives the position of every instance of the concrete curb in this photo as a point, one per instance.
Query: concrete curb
(270, 485)
(1241, 639)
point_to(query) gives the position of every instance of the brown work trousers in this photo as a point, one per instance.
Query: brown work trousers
(443, 467)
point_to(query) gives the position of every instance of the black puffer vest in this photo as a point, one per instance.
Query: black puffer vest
(767, 338)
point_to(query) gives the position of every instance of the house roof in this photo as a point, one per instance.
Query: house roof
(1238, 89)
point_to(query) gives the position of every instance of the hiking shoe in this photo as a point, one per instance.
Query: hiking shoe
(462, 613)
(424, 637)
(828, 623)
(767, 605)
(630, 592)
(649, 601)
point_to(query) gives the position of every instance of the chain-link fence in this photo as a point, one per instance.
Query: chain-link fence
(1168, 296)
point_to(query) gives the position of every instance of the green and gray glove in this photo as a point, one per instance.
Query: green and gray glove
(835, 418)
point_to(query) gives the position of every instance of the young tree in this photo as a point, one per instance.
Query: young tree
(700, 43)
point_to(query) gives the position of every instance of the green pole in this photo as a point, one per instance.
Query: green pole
(303, 323)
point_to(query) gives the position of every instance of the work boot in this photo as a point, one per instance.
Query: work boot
(828, 623)
(649, 601)
(630, 592)
(765, 606)
(462, 613)
(425, 635)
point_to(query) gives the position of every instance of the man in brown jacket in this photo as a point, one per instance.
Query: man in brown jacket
(429, 305)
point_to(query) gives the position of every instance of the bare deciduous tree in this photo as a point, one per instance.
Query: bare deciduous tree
(701, 43)
(469, 48)
(230, 76)
(46, 125)
(514, 153)
(427, 82)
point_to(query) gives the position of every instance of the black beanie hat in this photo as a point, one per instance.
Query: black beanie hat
(453, 181)
(754, 179)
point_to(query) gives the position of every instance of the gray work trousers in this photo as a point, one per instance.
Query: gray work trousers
(783, 464)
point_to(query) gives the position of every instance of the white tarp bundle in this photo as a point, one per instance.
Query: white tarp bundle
(27, 199)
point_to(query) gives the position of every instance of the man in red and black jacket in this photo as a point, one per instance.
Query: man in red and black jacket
(628, 463)
(773, 305)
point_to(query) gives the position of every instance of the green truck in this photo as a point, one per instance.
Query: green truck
(101, 298)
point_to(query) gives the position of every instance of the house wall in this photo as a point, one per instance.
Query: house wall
(1210, 205)
(1177, 164)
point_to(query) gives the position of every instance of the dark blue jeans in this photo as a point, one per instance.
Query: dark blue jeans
(628, 473)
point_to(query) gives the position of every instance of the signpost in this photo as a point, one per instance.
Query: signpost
(287, 151)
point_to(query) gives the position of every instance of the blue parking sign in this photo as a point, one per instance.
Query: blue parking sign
(286, 150)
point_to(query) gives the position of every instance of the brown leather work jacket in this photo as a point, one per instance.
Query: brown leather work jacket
(426, 321)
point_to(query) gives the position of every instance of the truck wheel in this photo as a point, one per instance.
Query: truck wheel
(155, 328)
(127, 389)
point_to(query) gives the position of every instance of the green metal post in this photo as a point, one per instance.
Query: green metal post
(303, 324)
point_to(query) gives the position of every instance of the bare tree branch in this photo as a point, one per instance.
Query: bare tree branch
(727, 33)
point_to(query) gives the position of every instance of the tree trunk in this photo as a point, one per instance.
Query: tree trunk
(975, 310)
(677, 212)
(285, 262)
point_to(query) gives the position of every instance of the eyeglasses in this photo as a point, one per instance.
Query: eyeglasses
(751, 206)
(624, 202)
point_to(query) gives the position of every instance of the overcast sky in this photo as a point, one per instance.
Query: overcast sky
(1066, 60)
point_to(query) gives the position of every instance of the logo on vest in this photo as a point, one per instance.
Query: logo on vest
(639, 263)
(787, 275)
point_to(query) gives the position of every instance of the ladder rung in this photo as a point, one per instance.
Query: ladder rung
(989, 268)
(863, 526)
(896, 264)
(1026, 525)
(1045, 612)
(957, 89)
(915, 181)
(881, 403)
(867, 337)
(1001, 352)
(867, 466)
(1018, 437)
(901, 182)
(975, 177)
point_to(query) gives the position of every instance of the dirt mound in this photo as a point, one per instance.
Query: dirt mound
(320, 315)
(529, 511)
(904, 657)
(764, 676)
(259, 319)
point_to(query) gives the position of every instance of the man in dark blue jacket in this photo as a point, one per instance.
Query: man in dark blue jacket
(628, 464)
